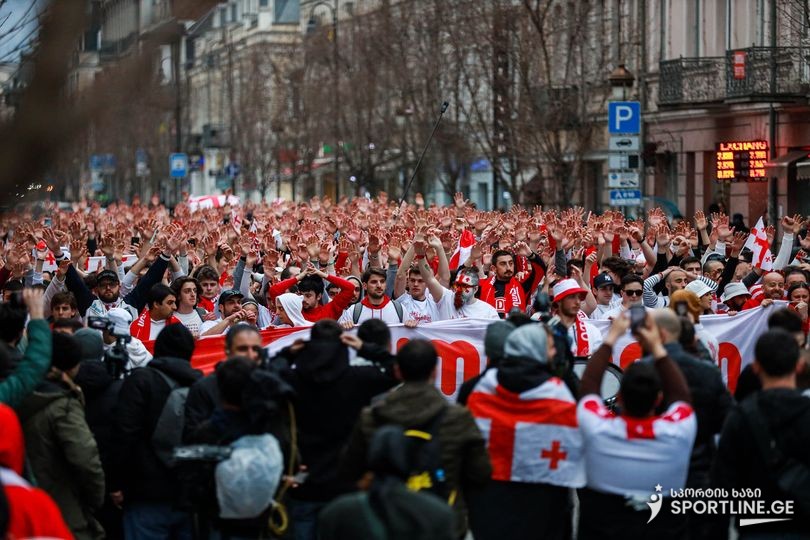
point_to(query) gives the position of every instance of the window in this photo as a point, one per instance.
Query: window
(287, 11)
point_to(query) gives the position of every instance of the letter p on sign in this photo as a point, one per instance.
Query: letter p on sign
(624, 117)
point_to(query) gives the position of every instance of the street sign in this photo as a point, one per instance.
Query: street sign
(622, 161)
(233, 170)
(624, 117)
(626, 143)
(625, 197)
(178, 165)
(141, 163)
(196, 162)
(623, 180)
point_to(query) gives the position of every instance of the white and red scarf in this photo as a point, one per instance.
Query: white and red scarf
(581, 342)
(513, 295)
(142, 327)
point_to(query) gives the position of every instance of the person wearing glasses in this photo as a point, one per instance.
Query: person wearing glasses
(632, 289)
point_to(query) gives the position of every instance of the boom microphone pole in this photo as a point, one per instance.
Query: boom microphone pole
(424, 151)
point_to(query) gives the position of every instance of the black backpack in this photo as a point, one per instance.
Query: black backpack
(425, 459)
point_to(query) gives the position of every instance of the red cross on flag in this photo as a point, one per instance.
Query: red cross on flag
(531, 437)
(758, 244)
(465, 244)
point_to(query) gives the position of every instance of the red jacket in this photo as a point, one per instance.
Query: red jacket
(32, 513)
(333, 310)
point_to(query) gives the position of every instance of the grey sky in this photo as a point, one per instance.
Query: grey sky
(18, 26)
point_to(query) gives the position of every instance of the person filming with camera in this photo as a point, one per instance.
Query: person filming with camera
(614, 503)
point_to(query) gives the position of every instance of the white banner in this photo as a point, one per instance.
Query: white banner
(460, 344)
(211, 201)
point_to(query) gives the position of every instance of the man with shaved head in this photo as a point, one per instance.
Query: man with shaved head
(773, 288)
(674, 278)
(711, 401)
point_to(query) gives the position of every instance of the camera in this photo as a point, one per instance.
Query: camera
(637, 316)
(116, 357)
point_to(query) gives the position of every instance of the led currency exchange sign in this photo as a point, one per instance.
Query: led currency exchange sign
(741, 160)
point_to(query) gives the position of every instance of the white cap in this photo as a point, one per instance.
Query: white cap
(699, 288)
(567, 287)
(121, 318)
(733, 290)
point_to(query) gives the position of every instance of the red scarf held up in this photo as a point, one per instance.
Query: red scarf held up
(583, 346)
(142, 327)
(513, 295)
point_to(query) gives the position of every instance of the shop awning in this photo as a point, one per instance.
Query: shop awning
(786, 160)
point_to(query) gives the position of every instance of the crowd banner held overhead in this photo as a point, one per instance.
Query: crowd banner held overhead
(211, 201)
(460, 345)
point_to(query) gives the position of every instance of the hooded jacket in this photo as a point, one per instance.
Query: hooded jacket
(30, 370)
(63, 455)
(330, 395)
(739, 463)
(413, 405)
(32, 513)
(134, 465)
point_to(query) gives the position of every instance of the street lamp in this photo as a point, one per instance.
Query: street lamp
(312, 25)
(620, 80)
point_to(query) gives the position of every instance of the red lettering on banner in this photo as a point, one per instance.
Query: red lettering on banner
(729, 354)
(630, 354)
(449, 356)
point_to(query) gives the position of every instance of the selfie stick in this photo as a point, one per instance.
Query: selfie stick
(424, 151)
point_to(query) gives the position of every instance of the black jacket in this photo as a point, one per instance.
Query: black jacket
(202, 401)
(711, 401)
(100, 396)
(330, 396)
(134, 466)
(739, 464)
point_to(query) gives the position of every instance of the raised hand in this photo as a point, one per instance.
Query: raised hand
(107, 246)
(51, 240)
(700, 221)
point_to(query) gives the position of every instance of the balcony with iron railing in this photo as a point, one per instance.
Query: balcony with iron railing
(753, 74)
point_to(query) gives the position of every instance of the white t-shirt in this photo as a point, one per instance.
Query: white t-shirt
(192, 321)
(601, 311)
(155, 327)
(208, 325)
(474, 310)
(388, 314)
(424, 311)
(629, 456)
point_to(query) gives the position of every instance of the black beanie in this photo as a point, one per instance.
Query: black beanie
(176, 341)
(67, 352)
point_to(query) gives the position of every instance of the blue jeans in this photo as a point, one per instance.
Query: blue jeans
(304, 518)
(154, 521)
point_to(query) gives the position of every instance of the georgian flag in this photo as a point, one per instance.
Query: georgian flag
(462, 253)
(533, 436)
(758, 243)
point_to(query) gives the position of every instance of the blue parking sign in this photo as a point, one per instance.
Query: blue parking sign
(624, 117)
(178, 165)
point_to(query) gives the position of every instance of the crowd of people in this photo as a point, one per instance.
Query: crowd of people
(110, 430)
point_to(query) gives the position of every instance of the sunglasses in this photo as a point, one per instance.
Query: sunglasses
(633, 292)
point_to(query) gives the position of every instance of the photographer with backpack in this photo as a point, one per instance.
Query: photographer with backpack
(148, 422)
(453, 456)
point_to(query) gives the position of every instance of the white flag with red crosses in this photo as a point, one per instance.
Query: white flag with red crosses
(758, 244)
